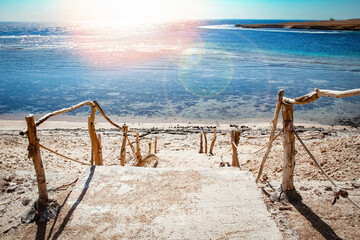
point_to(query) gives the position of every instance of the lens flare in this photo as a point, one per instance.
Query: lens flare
(196, 74)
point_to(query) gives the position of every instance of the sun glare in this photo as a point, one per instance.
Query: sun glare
(132, 11)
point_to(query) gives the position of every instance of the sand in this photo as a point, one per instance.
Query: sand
(336, 147)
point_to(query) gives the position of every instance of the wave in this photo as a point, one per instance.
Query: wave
(31, 36)
(232, 27)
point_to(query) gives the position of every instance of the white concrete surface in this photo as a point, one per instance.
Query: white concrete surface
(116, 202)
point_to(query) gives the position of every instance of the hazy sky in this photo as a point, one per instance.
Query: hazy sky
(158, 10)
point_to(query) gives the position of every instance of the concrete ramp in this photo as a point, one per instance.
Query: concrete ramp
(146, 203)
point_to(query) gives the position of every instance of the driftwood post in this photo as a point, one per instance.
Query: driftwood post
(235, 139)
(34, 154)
(272, 133)
(138, 151)
(123, 150)
(99, 151)
(149, 148)
(92, 134)
(155, 146)
(213, 143)
(288, 148)
(201, 143)
(205, 142)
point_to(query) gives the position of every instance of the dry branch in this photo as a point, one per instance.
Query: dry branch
(213, 143)
(155, 146)
(310, 97)
(205, 142)
(272, 133)
(64, 110)
(201, 144)
(106, 117)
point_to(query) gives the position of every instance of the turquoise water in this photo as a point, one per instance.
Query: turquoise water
(192, 70)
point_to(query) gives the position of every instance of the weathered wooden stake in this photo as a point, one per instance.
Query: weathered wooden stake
(235, 139)
(213, 143)
(155, 147)
(201, 143)
(205, 142)
(34, 154)
(272, 133)
(288, 148)
(91, 127)
(123, 149)
(149, 148)
(99, 151)
(138, 150)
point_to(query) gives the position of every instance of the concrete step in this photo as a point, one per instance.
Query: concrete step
(113, 202)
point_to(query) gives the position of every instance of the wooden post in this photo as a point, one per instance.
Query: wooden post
(99, 151)
(201, 143)
(272, 133)
(123, 150)
(138, 150)
(92, 135)
(235, 139)
(205, 142)
(34, 154)
(213, 143)
(155, 146)
(289, 148)
(149, 148)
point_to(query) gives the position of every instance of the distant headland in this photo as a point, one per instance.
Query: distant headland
(344, 25)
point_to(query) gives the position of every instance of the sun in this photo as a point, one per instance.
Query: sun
(133, 11)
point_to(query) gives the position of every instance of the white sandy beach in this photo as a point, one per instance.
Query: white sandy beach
(336, 147)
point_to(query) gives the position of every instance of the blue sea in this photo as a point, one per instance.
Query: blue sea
(185, 71)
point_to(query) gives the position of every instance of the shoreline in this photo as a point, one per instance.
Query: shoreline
(340, 25)
(19, 125)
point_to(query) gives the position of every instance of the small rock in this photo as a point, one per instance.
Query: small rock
(9, 178)
(302, 188)
(356, 184)
(11, 189)
(328, 188)
(29, 215)
(317, 192)
(285, 208)
(25, 201)
(20, 191)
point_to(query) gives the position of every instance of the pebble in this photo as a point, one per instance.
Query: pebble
(328, 188)
(11, 189)
(25, 201)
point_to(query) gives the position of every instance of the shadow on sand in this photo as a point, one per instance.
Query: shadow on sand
(41, 230)
(322, 227)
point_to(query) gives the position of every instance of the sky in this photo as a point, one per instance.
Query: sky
(125, 11)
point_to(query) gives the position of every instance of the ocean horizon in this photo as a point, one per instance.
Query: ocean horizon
(186, 71)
